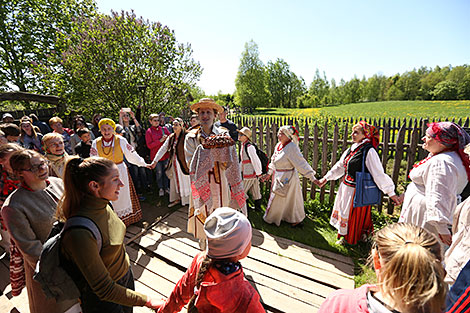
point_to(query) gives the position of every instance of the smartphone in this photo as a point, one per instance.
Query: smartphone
(126, 110)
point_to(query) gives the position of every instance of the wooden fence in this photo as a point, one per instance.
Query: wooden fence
(323, 142)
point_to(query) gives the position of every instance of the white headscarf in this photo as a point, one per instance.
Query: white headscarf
(228, 233)
(291, 133)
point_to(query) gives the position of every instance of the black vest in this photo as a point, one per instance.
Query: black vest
(353, 163)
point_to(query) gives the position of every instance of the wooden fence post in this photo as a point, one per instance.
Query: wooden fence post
(305, 154)
(324, 158)
(334, 152)
(315, 158)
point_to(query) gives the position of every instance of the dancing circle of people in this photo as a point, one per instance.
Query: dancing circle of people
(101, 171)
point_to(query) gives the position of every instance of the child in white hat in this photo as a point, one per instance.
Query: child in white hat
(215, 281)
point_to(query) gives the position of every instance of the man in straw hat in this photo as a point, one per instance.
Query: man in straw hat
(215, 173)
(250, 166)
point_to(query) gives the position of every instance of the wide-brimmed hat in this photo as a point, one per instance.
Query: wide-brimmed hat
(206, 103)
(245, 131)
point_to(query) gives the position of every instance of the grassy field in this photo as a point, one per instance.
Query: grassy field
(387, 109)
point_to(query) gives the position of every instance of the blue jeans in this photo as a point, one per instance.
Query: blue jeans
(162, 179)
(139, 176)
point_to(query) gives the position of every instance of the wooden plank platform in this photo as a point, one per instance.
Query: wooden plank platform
(289, 276)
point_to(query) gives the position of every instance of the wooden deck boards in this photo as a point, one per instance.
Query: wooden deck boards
(289, 276)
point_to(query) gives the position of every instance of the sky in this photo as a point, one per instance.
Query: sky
(342, 38)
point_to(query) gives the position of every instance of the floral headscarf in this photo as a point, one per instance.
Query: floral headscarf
(453, 137)
(371, 133)
(291, 133)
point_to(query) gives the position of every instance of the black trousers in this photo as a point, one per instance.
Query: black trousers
(92, 304)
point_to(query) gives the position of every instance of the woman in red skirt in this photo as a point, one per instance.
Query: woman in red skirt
(354, 223)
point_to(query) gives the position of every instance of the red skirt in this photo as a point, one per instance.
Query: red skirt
(360, 222)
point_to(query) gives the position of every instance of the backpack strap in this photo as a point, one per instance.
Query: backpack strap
(87, 223)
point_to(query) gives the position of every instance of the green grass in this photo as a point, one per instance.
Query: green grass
(317, 232)
(386, 109)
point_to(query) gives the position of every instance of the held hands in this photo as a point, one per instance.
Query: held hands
(151, 166)
(320, 182)
(154, 303)
(397, 200)
(264, 177)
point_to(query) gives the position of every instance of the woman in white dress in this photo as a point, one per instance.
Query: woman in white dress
(286, 202)
(115, 147)
(177, 170)
(354, 222)
(438, 180)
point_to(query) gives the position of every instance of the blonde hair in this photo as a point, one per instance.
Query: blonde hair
(153, 115)
(50, 136)
(412, 273)
(78, 173)
(54, 120)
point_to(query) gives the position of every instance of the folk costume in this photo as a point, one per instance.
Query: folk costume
(437, 181)
(286, 202)
(352, 222)
(215, 174)
(177, 170)
(28, 216)
(127, 207)
(250, 165)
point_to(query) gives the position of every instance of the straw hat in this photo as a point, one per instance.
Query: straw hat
(206, 103)
(245, 131)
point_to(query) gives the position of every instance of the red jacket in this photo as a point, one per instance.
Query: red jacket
(346, 301)
(218, 293)
(152, 138)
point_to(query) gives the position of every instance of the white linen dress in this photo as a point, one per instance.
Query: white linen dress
(433, 194)
(287, 163)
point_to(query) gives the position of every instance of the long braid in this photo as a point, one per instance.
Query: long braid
(206, 264)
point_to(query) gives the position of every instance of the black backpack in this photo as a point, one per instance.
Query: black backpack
(262, 157)
(50, 273)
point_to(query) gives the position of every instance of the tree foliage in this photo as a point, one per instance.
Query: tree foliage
(28, 33)
(250, 80)
(106, 59)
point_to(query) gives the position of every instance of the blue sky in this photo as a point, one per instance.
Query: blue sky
(341, 37)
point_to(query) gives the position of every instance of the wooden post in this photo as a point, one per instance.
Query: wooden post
(324, 157)
(334, 152)
(412, 151)
(315, 158)
(397, 161)
(305, 154)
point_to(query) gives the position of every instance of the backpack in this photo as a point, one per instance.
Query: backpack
(54, 279)
(262, 157)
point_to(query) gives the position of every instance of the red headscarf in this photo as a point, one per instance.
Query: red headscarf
(371, 133)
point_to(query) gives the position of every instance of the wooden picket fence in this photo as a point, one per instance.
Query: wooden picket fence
(323, 142)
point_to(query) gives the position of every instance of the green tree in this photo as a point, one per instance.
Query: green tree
(319, 90)
(284, 87)
(28, 33)
(250, 81)
(445, 90)
(106, 58)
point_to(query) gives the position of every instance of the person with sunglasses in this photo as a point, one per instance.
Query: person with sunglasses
(28, 214)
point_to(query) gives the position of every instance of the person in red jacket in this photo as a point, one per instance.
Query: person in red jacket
(155, 137)
(410, 276)
(215, 281)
